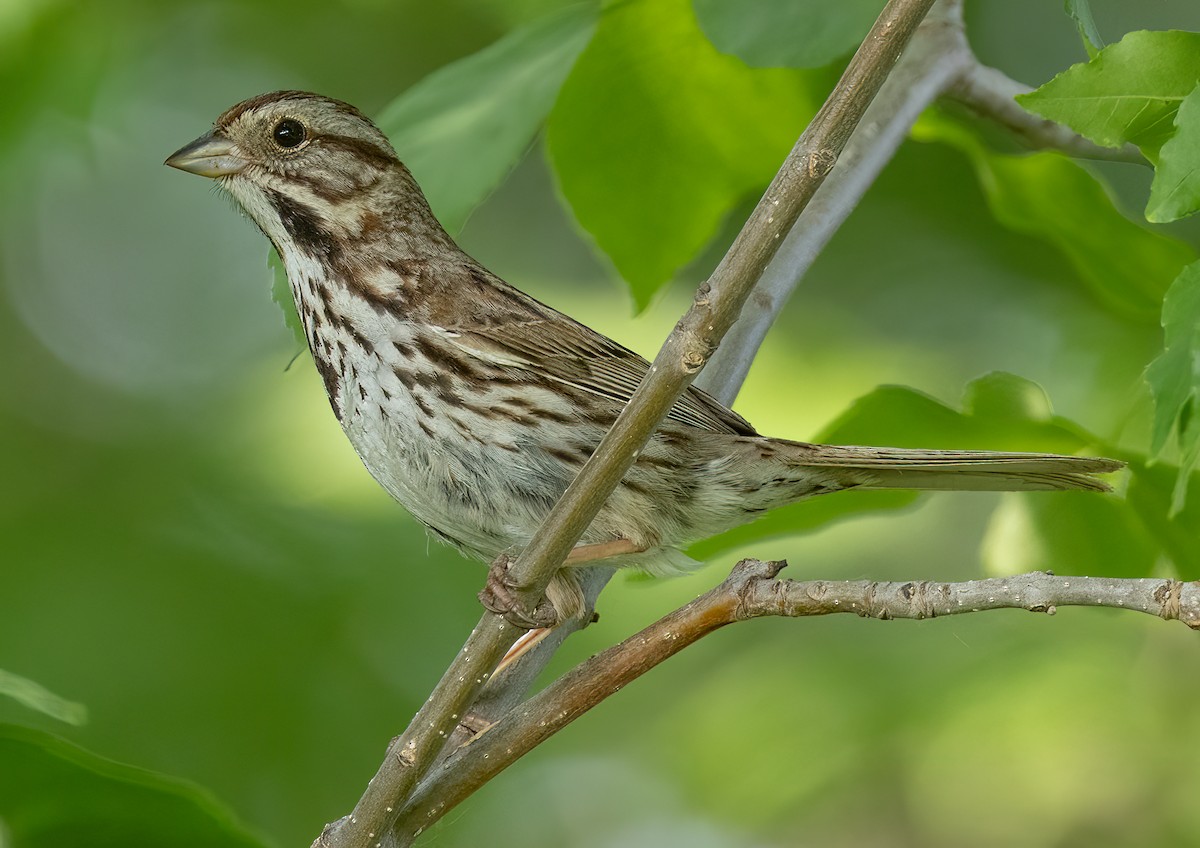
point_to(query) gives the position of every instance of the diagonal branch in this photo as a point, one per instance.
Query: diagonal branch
(751, 591)
(938, 63)
(719, 301)
(938, 55)
(683, 355)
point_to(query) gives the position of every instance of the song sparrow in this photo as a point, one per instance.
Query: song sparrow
(473, 404)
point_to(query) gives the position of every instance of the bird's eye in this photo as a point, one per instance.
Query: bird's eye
(289, 133)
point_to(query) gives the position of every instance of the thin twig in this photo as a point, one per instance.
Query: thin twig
(751, 591)
(1039, 591)
(685, 352)
(990, 93)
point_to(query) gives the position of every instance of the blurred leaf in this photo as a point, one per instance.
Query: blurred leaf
(462, 128)
(49, 54)
(1000, 395)
(1178, 532)
(656, 136)
(1021, 410)
(791, 33)
(39, 698)
(281, 293)
(1001, 412)
(1174, 376)
(803, 517)
(56, 795)
(1050, 197)
(1129, 92)
(1080, 12)
(1067, 533)
(1175, 192)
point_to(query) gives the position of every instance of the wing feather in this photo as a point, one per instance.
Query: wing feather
(559, 348)
(484, 316)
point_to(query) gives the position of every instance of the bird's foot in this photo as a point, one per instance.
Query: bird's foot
(499, 596)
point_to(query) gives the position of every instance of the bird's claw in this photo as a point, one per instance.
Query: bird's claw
(499, 596)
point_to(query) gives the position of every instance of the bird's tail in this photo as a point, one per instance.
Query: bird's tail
(980, 471)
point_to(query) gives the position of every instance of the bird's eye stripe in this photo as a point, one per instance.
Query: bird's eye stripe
(362, 148)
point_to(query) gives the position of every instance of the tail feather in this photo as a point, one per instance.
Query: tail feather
(899, 468)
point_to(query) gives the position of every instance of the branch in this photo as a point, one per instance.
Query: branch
(719, 301)
(938, 54)
(939, 62)
(506, 689)
(751, 591)
(1039, 591)
(990, 93)
(683, 355)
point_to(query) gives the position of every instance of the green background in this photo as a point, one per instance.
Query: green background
(189, 546)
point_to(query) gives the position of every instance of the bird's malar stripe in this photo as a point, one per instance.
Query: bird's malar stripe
(304, 225)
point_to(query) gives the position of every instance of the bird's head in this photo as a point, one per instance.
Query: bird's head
(311, 171)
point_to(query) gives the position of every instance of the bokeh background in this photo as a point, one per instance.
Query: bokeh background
(189, 546)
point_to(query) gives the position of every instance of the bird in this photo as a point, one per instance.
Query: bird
(474, 405)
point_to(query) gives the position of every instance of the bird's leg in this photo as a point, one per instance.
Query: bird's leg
(584, 554)
(497, 595)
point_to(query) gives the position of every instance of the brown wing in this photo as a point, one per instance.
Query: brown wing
(522, 332)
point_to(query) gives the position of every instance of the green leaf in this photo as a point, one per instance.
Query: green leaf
(1001, 412)
(656, 136)
(803, 517)
(1046, 195)
(1001, 396)
(1175, 192)
(462, 129)
(1152, 496)
(1068, 534)
(1189, 438)
(281, 293)
(1129, 92)
(1174, 376)
(54, 794)
(39, 698)
(791, 33)
(1080, 12)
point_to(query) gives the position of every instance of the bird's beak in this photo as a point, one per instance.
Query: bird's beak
(209, 156)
